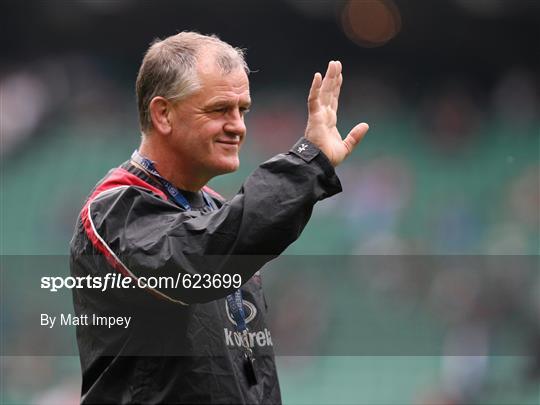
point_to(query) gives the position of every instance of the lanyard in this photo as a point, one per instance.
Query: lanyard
(236, 307)
(234, 300)
(180, 199)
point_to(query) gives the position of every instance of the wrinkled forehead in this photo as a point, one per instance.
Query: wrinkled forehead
(216, 84)
(226, 58)
(212, 78)
(236, 80)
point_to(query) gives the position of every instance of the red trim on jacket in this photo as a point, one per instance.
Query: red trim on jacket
(121, 177)
(213, 193)
(118, 177)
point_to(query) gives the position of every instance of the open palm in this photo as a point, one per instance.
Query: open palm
(322, 107)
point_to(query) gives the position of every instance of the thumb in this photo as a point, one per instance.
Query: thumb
(355, 136)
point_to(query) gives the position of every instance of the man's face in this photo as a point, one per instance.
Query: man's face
(208, 126)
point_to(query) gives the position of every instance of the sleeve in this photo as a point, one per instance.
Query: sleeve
(153, 237)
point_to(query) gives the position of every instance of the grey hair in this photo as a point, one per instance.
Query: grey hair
(169, 68)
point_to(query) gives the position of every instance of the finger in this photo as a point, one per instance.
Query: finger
(337, 90)
(338, 77)
(335, 73)
(329, 69)
(328, 81)
(338, 80)
(313, 98)
(337, 87)
(355, 136)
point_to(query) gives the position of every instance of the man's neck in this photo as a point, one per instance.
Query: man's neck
(170, 168)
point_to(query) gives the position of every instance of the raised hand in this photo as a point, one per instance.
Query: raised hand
(322, 107)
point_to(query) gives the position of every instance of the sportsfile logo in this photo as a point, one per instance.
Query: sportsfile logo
(261, 338)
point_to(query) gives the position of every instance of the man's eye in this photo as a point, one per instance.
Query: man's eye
(244, 111)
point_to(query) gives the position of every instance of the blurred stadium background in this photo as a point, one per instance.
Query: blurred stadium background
(450, 167)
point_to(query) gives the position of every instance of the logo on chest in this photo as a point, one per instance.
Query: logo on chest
(250, 311)
(252, 339)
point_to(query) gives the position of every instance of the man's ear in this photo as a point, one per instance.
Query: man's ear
(160, 109)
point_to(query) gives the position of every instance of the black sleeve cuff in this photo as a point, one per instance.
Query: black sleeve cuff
(305, 150)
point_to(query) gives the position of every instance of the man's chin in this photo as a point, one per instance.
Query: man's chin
(228, 166)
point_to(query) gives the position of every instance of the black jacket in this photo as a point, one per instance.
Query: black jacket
(181, 346)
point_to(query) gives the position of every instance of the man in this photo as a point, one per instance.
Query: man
(204, 340)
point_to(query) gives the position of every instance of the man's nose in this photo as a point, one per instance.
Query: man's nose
(235, 124)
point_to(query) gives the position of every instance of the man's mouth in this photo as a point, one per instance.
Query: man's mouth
(233, 141)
